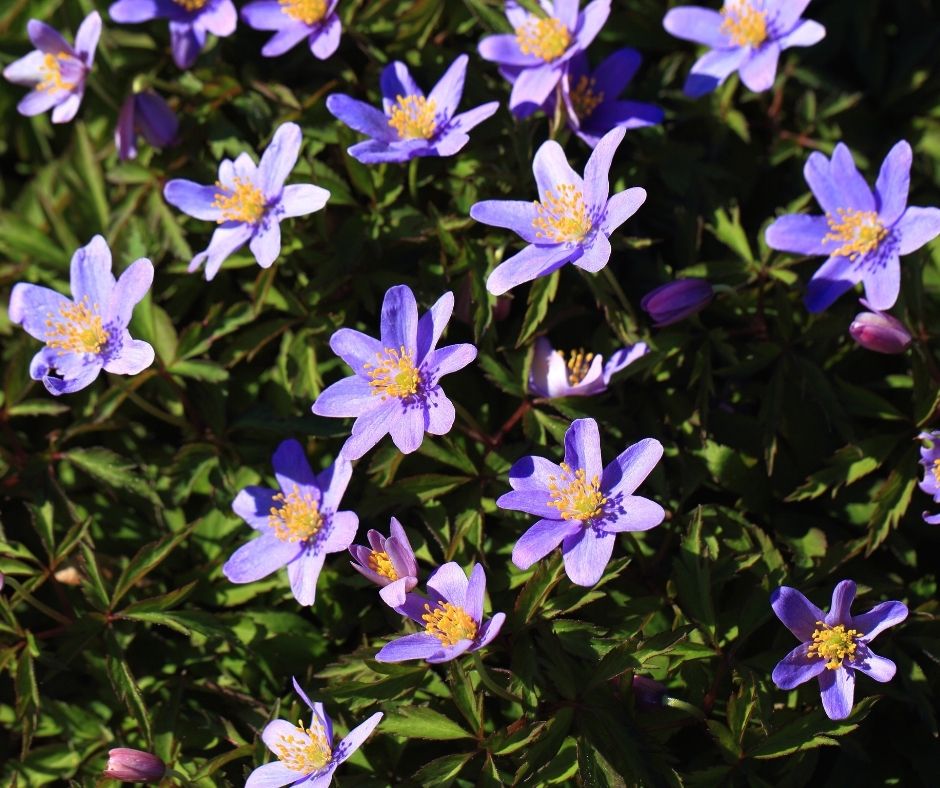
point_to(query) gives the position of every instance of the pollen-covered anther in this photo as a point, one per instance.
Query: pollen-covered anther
(547, 39)
(305, 752)
(449, 623)
(51, 70)
(578, 365)
(394, 374)
(859, 232)
(562, 216)
(244, 203)
(307, 11)
(297, 518)
(574, 496)
(584, 99)
(834, 644)
(746, 26)
(935, 469)
(191, 5)
(413, 117)
(381, 564)
(79, 328)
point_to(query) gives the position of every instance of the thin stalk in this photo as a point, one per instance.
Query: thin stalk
(490, 683)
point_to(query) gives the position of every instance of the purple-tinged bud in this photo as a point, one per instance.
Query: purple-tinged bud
(880, 332)
(144, 113)
(677, 300)
(648, 693)
(134, 766)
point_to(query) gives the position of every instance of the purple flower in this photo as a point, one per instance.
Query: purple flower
(879, 332)
(930, 459)
(89, 332)
(582, 375)
(536, 56)
(745, 36)
(55, 70)
(834, 645)
(452, 618)
(134, 766)
(582, 506)
(148, 114)
(591, 99)
(190, 21)
(299, 524)
(248, 202)
(675, 301)
(396, 387)
(648, 693)
(294, 21)
(388, 562)
(306, 755)
(572, 220)
(863, 233)
(410, 124)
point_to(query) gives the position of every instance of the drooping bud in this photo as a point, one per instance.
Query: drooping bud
(880, 332)
(134, 766)
(648, 693)
(675, 301)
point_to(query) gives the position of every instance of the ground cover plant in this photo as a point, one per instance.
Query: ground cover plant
(469, 393)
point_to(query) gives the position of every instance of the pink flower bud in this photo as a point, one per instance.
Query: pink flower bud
(675, 301)
(134, 766)
(880, 332)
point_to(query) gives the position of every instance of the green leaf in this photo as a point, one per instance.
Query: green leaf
(124, 684)
(541, 295)
(148, 558)
(112, 469)
(92, 177)
(420, 722)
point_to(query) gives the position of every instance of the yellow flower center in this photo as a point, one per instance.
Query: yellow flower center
(394, 374)
(381, 564)
(583, 97)
(297, 518)
(448, 623)
(51, 70)
(859, 232)
(833, 644)
(244, 203)
(575, 498)
(746, 25)
(191, 5)
(936, 470)
(80, 329)
(413, 117)
(307, 11)
(547, 39)
(302, 754)
(562, 216)
(578, 364)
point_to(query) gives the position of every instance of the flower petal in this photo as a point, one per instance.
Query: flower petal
(347, 398)
(396, 80)
(586, 555)
(798, 233)
(333, 482)
(360, 117)
(265, 243)
(621, 207)
(407, 429)
(446, 360)
(597, 170)
(253, 504)
(917, 227)
(259, 558)
(355, 348)
(279, 159)
(324, 43)
(356, 737)
(878, 668)
(805, 34)
(552, 170)
(516, 215)
(420, 645)
(878, 619)
(476, 590)
(854, 192)
(447, 92)
(226, 240)
(595, 256)
(292, 469)
(635, 514)
(86, 38)
(699, 25)
(468, 120)
(504, 49)
(432, 324)
(883, 281)
(32, 305)
(368, 430)
(796, 612)
(90, 273)
(130, 289)
(760, 69)
(489, 630)
(440, 413)
(796, 668)
(713, 68)
(533, 473)
(448, 584)
(135, 356)
(400, 319)
(272, 775)
(534, 85)
(127, 12)
(541, 538)
(840, 611)
(838, 691)
(193, 199)
(303, 573)
(47, 39)
(833, 278)
(529, 501)
(343, 527)
(531, 263)
(299, 199)
(583, 447)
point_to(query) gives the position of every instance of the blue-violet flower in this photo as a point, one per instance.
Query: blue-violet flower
(581, 375)
(677, 300)
(144, 112)
(388, 562)
(930, 459)
(296, 20)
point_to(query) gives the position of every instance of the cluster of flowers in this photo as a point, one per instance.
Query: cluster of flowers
(395, 389)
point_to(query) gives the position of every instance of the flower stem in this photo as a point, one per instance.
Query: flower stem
(681, 705)
(413, 179)
(490, 683)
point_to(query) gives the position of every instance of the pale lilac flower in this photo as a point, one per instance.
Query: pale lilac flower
(592, 99)
(833, 645)
(55, 70)
(930, 459)
(134, 766)
(146, 113)
(293, 21)
(582, 505)
(879, 332)
(396, 386)
(388, 562)
(409, 124)
(299, 524)
(87, 333)
(190, 22)
(746, 36)
(248, 202)
(535, 57)
(675, 301)
(306, 755)
(581, 375)
(452, 617)
(863, 233)
(570, 223)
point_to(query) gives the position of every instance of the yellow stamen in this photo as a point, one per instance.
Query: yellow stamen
(297, 519)
(578, 364)
(80, 329)
(936, 470)
(305, 755)
(394, 374)
(307, 11)
(745, 24)
(860, 232)
(413, 117)
(191, 5)
(584, 99)
(562, 218)
(834, 644)
(577, 499)
(381, 564)
(547, 39)
(244, 203)
(51, 69)
(448, 623)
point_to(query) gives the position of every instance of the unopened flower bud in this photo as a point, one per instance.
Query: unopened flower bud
(648, 693)
(134, 766)
(880, 332)
(675, 301)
